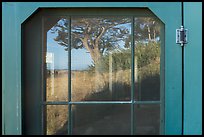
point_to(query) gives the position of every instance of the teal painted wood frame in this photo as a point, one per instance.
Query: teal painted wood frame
(193, 69)
(15, 13)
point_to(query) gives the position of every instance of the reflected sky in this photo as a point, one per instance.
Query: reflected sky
(60, 55)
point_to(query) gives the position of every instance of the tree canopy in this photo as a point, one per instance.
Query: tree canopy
(101, 34)
(96, 35)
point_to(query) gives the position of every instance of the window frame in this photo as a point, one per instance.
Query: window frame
(88, 12)
(173, 87)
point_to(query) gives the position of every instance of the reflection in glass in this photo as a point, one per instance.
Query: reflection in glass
(101, 58)
(101, 119)
(147, 58)
(57, 116)
(56, 58)
(147, 119)
(101, 70)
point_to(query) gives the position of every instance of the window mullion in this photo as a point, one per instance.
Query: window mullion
(69, 78)
(132, 76)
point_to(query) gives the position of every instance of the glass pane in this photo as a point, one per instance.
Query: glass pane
(147, 119)
(57, 117)
(101, 119)
(147, 58)
(56, 33)
(101, 58)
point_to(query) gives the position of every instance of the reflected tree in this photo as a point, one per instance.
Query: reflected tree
(96, 35)
(101, 35)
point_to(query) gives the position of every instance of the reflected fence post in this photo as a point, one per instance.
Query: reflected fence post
(50, 61)
(111, 74)
(52, 74)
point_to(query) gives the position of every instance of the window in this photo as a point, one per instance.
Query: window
(95, 71)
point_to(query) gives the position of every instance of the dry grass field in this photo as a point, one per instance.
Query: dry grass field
(85, 86)
(88, 86)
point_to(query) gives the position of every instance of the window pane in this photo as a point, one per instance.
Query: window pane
(101, 119)
(57, 116)
(56, 33)
(101, 58)
(147, 119)
(147, 58)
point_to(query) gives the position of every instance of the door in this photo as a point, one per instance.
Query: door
(103, 71)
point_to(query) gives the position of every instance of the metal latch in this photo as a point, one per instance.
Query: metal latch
(181, 36)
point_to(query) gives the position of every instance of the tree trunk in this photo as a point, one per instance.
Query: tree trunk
(97, 55)
(94, 52)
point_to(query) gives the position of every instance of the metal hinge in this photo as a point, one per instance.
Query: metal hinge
(181, 36)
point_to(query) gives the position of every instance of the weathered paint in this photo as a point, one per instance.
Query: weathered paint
(193, 69)
(15, 13)
(11, 71)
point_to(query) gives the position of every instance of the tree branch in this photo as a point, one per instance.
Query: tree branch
(96, 42)
(85, 43)
(77, 36)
